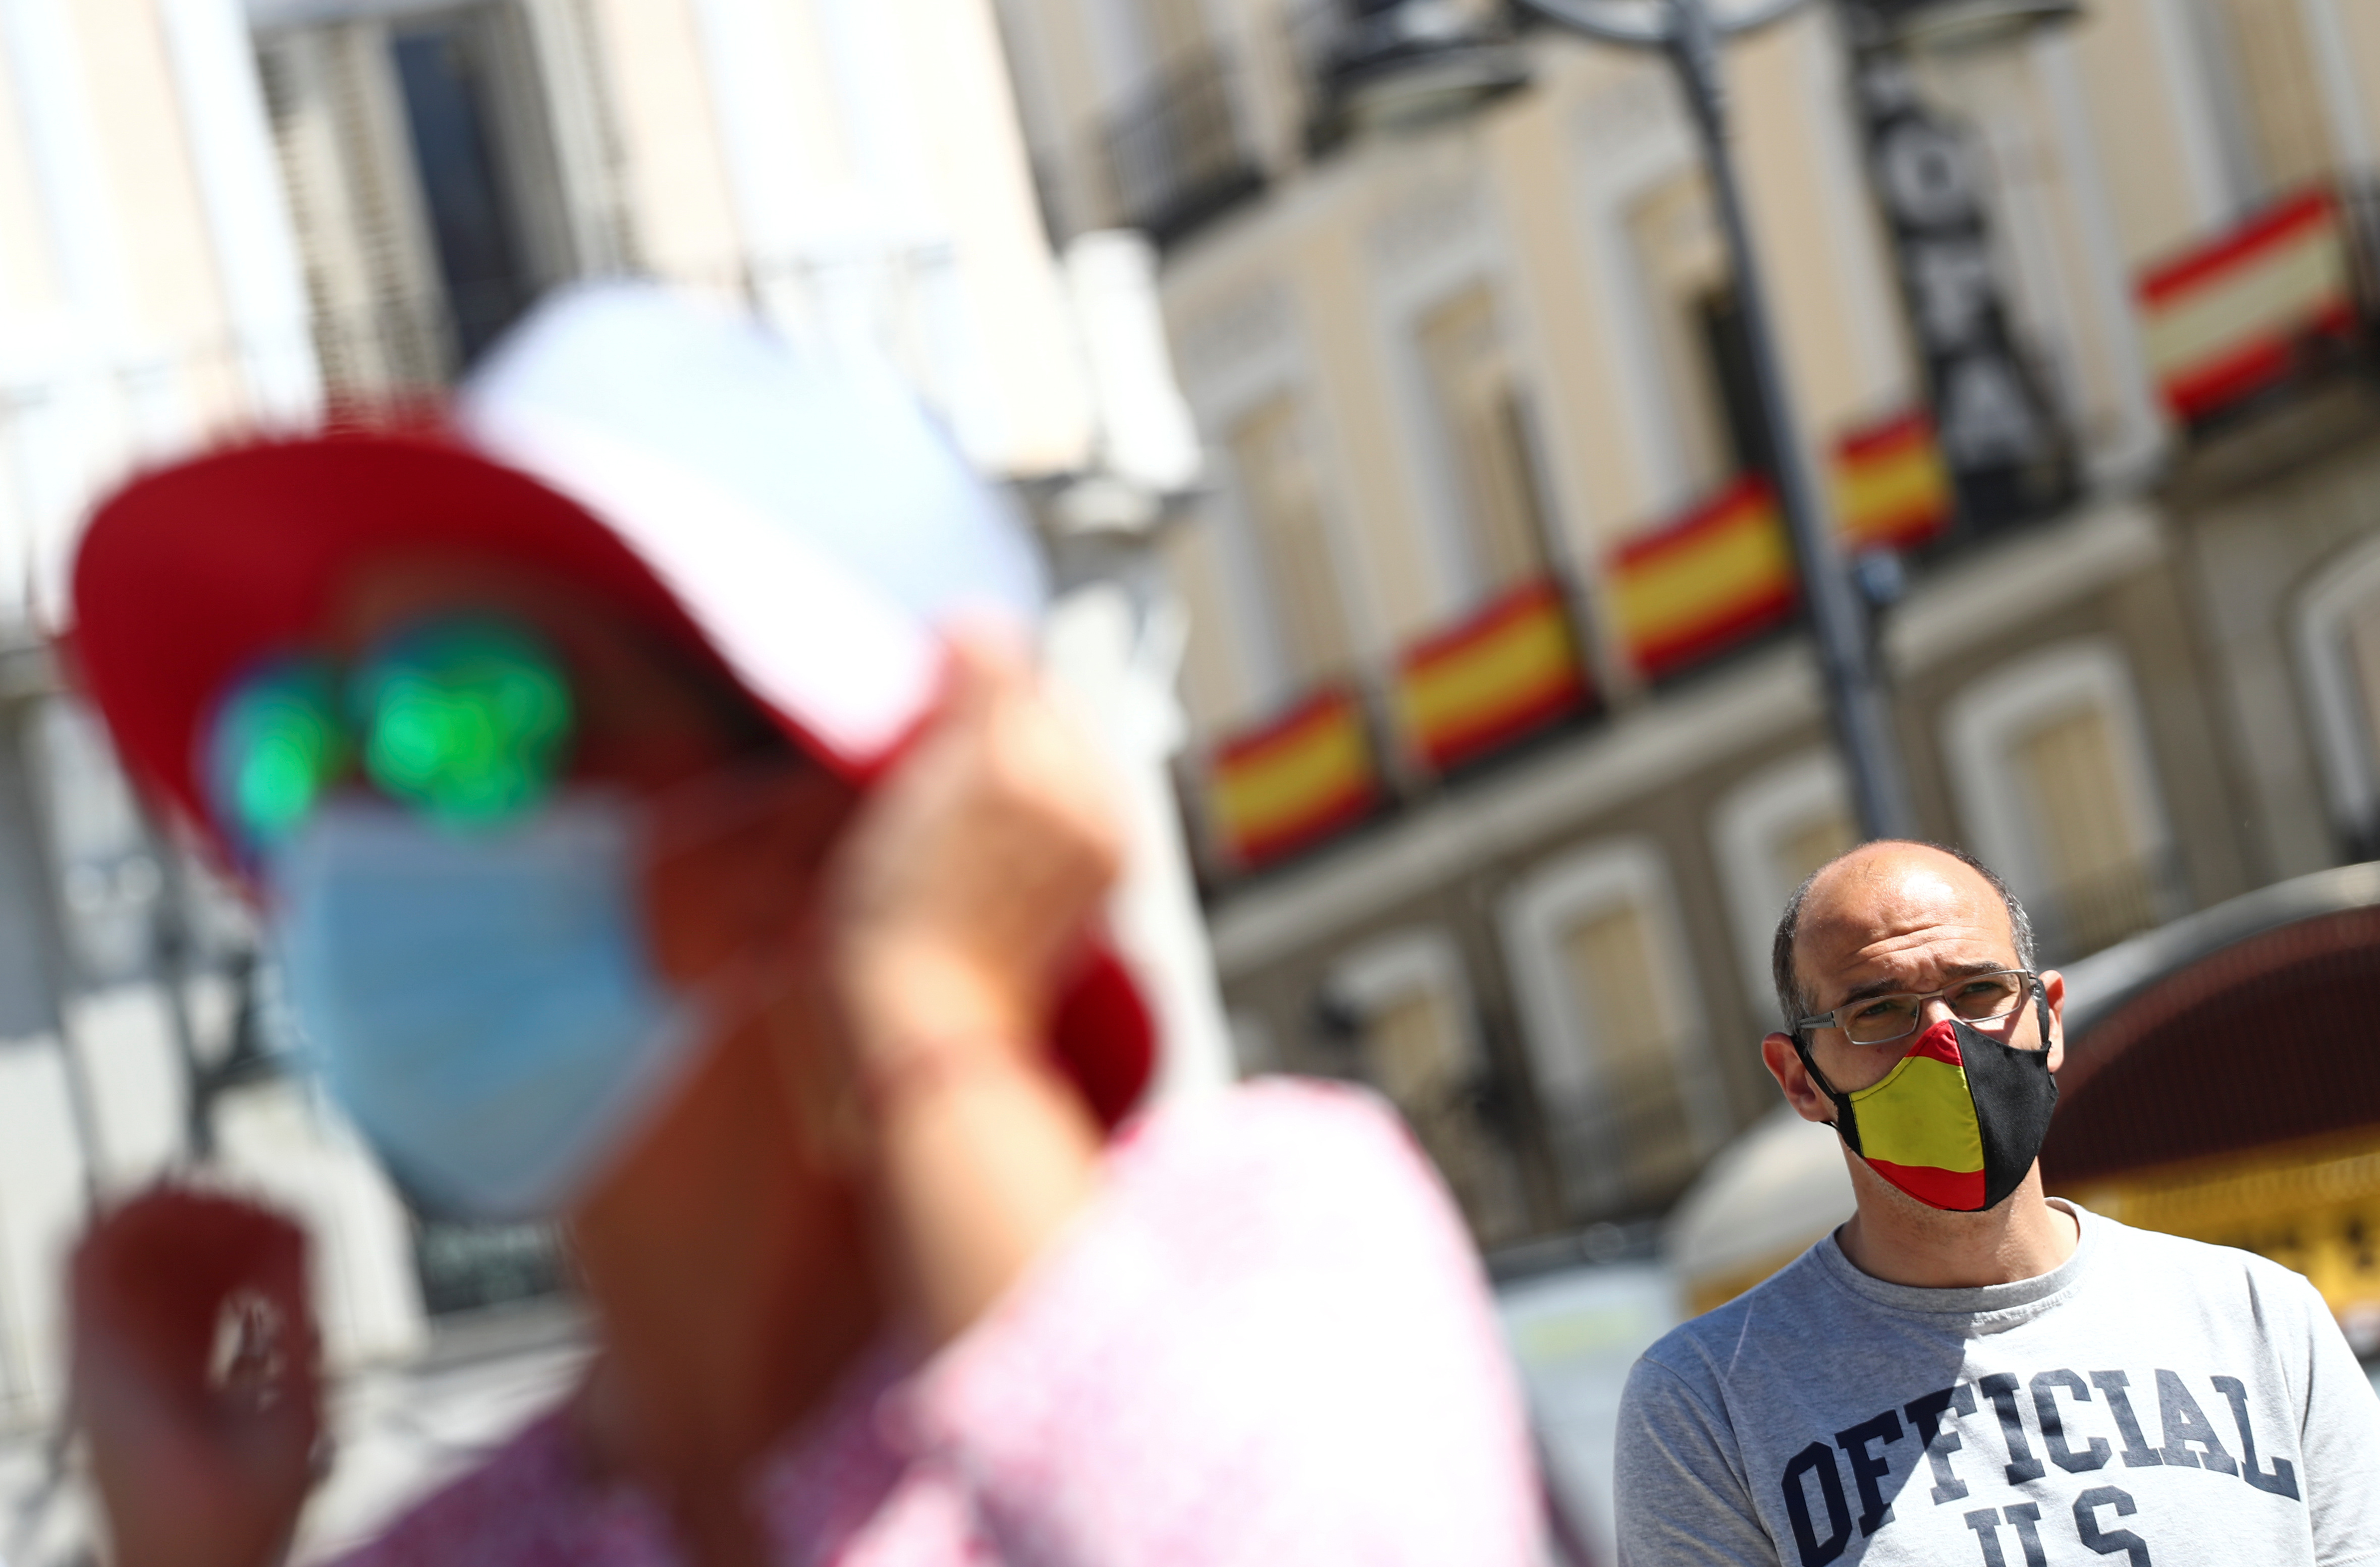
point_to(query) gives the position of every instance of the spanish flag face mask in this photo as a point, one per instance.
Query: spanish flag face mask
(1960, 1120)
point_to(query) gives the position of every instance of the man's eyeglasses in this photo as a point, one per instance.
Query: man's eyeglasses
(465, 718)
(1881, 1019)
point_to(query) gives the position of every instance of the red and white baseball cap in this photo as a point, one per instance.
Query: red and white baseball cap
(799, 522)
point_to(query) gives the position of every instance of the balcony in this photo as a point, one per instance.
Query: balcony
(1471, 696)
(2235, 321)
(1447, 53)
(1180, 155)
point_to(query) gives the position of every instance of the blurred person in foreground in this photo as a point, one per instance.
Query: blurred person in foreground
(1967, 1370)
(645, 851)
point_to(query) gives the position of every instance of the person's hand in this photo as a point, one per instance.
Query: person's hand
(195, 1380)
(973, 872)
(954, 904)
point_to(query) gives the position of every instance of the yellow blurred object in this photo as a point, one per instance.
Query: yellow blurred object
(1295, 781)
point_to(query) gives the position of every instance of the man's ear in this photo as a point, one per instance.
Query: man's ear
(1784, 1063)
(2053, 995)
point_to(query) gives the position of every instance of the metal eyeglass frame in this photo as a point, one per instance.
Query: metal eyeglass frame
(1828, 1019)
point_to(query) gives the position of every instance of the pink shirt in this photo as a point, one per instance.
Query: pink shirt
(1267, 1341)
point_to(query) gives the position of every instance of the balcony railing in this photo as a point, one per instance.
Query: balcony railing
(1295, 781)
(1682, 593)
(2237, 317)
(1456, 51)
(1497, 678)
(1180, 155)
(1509, 671)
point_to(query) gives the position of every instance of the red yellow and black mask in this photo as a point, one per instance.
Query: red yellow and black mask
(1957, 1123)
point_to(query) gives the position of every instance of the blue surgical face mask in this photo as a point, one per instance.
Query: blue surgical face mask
(484, 1006)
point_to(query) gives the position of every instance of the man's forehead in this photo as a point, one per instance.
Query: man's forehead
(1888, 903)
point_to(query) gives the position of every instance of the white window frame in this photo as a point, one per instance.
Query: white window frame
(1560, 1041)
(2205, 126)
(2344, 744)
(1423, 253)
(1983, 722)
(1744, 830)
(1388, 969)
(1628, 138)
(1233, 358)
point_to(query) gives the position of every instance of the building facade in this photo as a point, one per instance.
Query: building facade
(1509, 747)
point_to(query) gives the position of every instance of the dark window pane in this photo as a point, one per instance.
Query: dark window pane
(446, 111)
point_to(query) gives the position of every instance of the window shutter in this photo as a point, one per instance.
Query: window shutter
(379, 322)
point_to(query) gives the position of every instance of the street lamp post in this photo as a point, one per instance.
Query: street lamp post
(1857, 705)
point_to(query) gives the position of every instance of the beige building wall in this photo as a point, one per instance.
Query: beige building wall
(683, 212)
(121, 334)
(151, 187)
(29, 268)
(2100, 141)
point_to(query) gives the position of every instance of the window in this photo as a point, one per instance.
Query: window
(2339, 652)
(1632, 1100)
(2056, 783)
(1484, 424)
(2267, 70)
(2077, 801)
(1278, 487)
(426, 186)
(444, 75)
(1698, 331)
(1412, 1008)
(1771, 833)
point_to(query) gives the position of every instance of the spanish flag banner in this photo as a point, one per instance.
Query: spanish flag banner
(1720, 575)
(1507, 671)
(2228, 319)
(1892, 490)
(1919, 1129)
(1295, 781)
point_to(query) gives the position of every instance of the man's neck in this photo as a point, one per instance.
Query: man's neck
(1895, 1239)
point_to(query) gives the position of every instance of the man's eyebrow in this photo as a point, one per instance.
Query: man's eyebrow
(1896, 987)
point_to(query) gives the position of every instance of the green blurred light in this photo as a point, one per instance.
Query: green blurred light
(465, 718)
(277, 746)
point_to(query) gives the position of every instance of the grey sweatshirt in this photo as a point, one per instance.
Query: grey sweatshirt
(2152, 1400)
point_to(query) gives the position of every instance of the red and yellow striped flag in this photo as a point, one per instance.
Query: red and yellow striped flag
(1918, 1125)
(2226, 319)
(1720, 575)
(1892, 490)
(1505, 672)
(1295, 781)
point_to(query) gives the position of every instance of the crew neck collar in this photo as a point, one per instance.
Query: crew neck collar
(2022, 1298)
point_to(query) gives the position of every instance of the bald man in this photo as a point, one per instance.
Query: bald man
(1967, 1370)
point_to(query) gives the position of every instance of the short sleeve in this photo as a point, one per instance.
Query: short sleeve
(1269, 1342)
(2341, 1441)
(1682, 1498)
